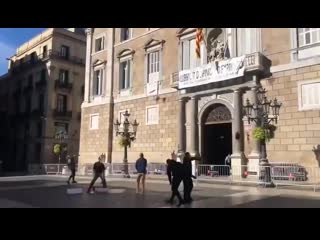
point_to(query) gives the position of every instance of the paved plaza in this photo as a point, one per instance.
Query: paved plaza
(52, 193)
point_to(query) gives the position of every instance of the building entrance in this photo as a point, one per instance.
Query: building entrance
(217, 134)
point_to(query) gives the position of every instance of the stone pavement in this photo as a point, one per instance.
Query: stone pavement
(52, 194)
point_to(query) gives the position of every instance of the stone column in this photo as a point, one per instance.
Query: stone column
(193, 116)
(193, 126)
(88, 65)
(255, 152)
(181, 126)
(237, 135)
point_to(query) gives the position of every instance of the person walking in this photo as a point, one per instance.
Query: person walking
(141, 167)
(72, 167)
(187, 177)
(98, 169)
(169, 168)
(175, 174)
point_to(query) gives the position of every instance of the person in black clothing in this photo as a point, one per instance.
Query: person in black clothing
(175, 169)
(169, 171)
(187, 178)
(98, 169)
(72, 168)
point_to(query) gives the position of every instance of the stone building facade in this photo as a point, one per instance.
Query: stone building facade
(145, 72)
(45, 93)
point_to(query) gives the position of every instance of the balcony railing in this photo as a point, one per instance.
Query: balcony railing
(41, 84)
(61, 85)
(62, 114)
(174, 80)
(73, 59)
(19, 67)
(254, 63)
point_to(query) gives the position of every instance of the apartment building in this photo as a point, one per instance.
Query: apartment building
(45, 91)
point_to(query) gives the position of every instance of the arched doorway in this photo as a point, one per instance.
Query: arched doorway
(216, 134)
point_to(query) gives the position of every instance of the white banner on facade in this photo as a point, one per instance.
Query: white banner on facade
(212, 72)
(152, 88)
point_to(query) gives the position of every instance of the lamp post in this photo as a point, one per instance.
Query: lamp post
(61, 135)
(260, 113)
(128, 135)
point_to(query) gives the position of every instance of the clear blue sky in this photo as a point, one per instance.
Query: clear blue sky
(10, 39)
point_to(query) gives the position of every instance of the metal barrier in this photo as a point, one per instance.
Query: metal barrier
(214, 172)
(296, 175)
(157, 168)
(279, 174)
(56, 169)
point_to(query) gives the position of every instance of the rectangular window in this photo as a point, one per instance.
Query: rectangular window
(39, 129)
(309, 92)
(308, 36)
(30, 80)
(99, 44)
(41, 103)
(43, 75)
(152, 115)
(125, 34)
(94, 121)
(64, 76)
(33, 57)
(121, 116)
(97, 82)
(38, 152)
(153, 66)
(125, 75)
(28, 104)
(62, 103)
(45, 51)
(189, 57)
(65, 51)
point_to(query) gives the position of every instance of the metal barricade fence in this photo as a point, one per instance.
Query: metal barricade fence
(279, 174)
(249, 174)
(214, 172)
(295, 175)
(57, 169)
(157, 168)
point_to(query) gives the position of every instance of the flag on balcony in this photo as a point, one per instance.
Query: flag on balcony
(199, 39)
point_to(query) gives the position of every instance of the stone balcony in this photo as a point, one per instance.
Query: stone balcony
(255, 63)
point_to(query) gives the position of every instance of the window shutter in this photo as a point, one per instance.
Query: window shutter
(94, 85)
(128, 82)
(193, 56)
(185, 55)
(66, 76)
(102, 90)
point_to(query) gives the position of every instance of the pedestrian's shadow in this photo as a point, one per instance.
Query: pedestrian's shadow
(316, 151)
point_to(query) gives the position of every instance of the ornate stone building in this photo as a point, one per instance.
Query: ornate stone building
(190, 104)
(45, 92)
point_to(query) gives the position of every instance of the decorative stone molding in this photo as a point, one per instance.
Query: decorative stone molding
(204, 100)
(153, 42)
(227, 97)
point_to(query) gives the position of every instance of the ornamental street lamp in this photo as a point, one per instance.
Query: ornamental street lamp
(260, 113)
(128, 135)
(61, 136)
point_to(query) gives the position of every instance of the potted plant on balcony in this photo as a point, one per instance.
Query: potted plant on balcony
(264, 134)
